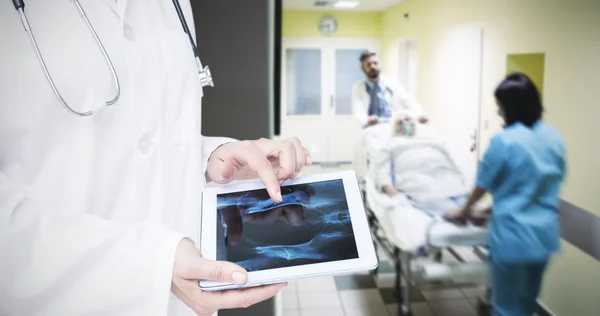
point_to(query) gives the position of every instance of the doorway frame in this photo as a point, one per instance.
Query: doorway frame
(327, 46)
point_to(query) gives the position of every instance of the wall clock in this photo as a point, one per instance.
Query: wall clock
(328, 25)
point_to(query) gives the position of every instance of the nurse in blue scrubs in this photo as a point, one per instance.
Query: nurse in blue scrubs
(523, 169)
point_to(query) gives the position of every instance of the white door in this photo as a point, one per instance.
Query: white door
(458, 94)
(303, 95)
(317, 80)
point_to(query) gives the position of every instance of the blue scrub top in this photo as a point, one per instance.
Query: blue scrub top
(523, 169)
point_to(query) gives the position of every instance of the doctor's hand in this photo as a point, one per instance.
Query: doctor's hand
(273, 161)
(389, 190)
(190, 267)
(372, 120)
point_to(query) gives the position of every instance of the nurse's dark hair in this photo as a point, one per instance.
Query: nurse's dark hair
(520, 100)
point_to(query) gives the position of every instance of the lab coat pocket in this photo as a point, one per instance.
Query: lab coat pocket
(185, 91)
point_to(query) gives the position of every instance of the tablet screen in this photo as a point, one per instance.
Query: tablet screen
(311, 225)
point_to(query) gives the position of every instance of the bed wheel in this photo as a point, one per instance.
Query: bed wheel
(403, 311)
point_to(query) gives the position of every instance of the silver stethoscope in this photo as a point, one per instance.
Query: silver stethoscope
(203, 74)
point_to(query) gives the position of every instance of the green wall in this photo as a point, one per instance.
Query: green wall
(350, 24)
(530, 64)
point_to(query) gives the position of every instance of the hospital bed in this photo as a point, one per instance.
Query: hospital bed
(412, 237)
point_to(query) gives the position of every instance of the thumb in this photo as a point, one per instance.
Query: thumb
(222, 271)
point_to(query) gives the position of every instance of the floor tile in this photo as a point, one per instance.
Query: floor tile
(436, 284)
(453, 308)
(290, 301)
(292, 285)
(321, 311)
(366, 310)
(291, 289)
(319, 299)
(443, 294)
(387, 280)
(474, 302)
(382, 255)
(389, 295)
(363, 273)
(353, 298)
(418, 309)
(480, 307)
(385, 266)
(473, 292)
(419, 280)
(317, 284)
(354, 282)
(392, 309)
(475, 281)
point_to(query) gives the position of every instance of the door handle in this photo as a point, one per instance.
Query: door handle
(474, 135)
(474, 138)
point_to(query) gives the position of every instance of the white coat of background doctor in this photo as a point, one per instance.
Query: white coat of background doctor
(393, 97)
(99, 215)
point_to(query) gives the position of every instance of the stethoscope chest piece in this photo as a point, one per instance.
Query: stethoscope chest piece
(205, 77)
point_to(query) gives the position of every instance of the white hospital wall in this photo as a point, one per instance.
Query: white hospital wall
(568, 32)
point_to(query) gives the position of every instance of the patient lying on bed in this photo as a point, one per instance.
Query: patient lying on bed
(415, 162)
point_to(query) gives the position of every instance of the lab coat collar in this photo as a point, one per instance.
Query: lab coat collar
(118, 7)
(380, 83)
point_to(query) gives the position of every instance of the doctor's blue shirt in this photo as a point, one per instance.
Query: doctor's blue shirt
(523, 169)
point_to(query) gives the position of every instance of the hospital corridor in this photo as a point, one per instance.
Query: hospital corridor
(408, 95)
(300, 157)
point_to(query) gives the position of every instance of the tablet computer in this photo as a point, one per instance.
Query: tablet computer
(320, 228)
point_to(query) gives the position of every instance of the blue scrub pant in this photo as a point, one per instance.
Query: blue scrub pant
(515, 287)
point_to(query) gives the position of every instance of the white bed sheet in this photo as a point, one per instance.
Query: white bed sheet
(406, 226)
(371, 138)
(402, 223)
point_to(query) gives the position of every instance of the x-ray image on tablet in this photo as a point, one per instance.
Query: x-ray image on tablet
(311, 225)
(320, 228)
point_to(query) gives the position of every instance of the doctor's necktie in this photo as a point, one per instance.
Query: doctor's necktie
(378, 105)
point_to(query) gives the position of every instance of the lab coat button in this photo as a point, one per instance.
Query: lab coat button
(128, 32)
(145, 144)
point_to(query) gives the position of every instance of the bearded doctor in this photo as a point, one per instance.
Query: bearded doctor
(99, 214)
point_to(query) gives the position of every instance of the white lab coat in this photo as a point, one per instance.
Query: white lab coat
(395, 94)
(92, 209)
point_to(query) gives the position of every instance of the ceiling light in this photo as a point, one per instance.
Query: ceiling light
(346, 4)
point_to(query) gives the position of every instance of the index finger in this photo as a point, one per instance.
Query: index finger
(252, 157)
